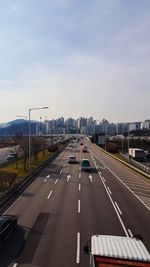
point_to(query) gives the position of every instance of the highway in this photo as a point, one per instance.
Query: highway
(64, 206)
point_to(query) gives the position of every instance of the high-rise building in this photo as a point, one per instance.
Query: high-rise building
(146, 125)
(133, 126)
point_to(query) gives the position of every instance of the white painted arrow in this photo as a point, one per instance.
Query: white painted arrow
(46, 177)
(68, 177)
(91, 178)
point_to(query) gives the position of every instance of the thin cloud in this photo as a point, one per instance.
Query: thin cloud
(80, 57)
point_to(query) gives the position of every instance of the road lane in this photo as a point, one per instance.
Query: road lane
(60, 235)
(135, 181)
(135, 215)
(57, 216)
(27, 208)
(97, 213)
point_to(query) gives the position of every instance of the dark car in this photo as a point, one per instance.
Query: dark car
(85, 165)
(8, 224)
(148, 155)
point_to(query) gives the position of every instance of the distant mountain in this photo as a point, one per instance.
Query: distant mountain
(19, 126)
(4, 125)
(17, 121)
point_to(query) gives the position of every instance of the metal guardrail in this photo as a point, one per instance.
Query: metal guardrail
(136, 163)
(7, 198)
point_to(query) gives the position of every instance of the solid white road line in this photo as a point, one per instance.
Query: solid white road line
(79, 187)
(56, 181)
(78, 248)
(50, 194)
(100, 174)
(109, 190)
(104, 180)
(106, 167)
(79, 206)
(123, 226)
(118, 208)
(130, 233)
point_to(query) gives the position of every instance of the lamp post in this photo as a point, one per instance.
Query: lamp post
(128, 145)
(40, 132)
(105, 142)
(30, 130)
(122, 144)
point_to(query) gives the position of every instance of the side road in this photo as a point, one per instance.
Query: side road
(124, 162)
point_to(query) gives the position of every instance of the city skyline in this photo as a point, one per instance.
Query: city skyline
(47, 118)
(87, 126)
(76, 57)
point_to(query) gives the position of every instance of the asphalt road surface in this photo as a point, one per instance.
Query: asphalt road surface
(64, 206)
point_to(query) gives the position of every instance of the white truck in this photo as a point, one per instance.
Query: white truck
(136, 153)
(117, 251)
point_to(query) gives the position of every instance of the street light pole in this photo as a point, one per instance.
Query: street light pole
(30, 131)
(29, 138)
(105, 142)
(40, 132)
(128, 145)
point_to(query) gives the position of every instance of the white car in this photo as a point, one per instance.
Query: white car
(72, 159)
(12, 156)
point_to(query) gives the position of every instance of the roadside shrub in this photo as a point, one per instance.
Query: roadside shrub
(52, 148)
(6, 180)
(112, 147)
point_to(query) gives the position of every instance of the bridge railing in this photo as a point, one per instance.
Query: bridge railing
(136, 163)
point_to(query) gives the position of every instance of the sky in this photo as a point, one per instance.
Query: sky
(79, 58)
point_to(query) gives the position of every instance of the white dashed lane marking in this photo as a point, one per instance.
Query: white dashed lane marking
(79, 207)
(78, 248)
(50, 194)
(56, 181)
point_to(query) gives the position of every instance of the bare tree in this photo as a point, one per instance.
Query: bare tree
(36, 147)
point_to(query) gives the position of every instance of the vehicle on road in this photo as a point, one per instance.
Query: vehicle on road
(85, 165)
(119, 251)
(8, 224)
(147, 155)
(12, 156)
(136, 153)
(85, 149)
(72, 159)
(70, 145)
